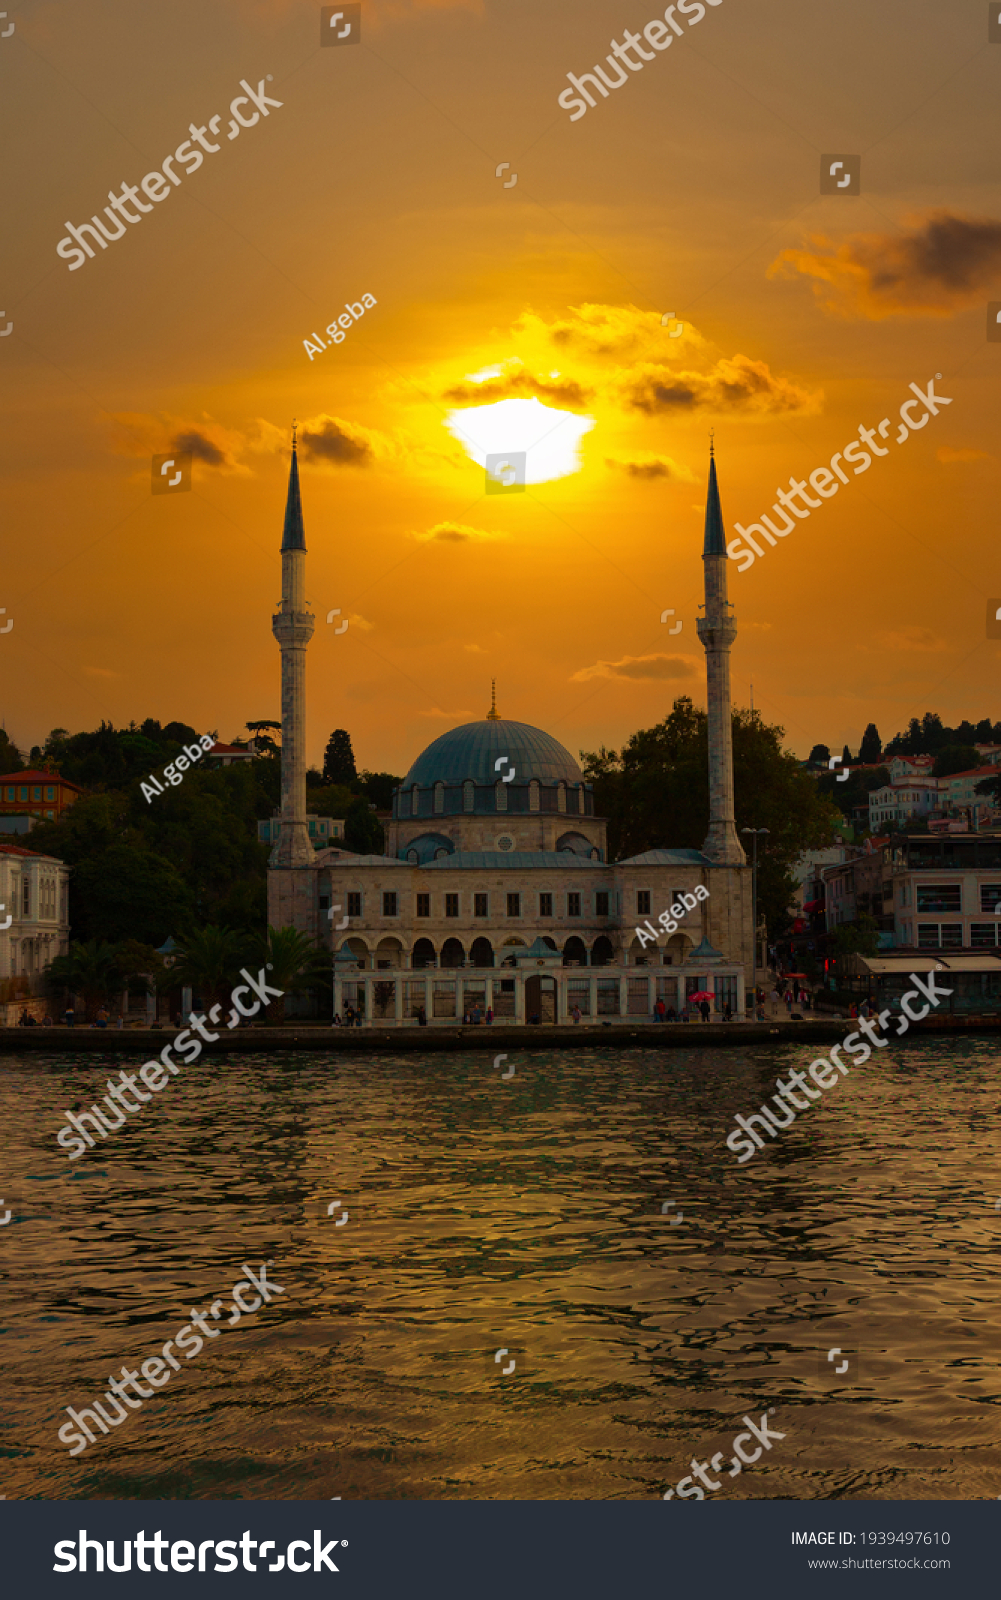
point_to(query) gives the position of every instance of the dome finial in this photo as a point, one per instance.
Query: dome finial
(493, 715)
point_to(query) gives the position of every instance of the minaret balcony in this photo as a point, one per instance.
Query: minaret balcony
(716, 633)
(293, 629)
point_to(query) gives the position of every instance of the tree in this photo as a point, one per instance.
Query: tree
(818, 754)
(90, 970)
(209, 963)
(655, 793)
(262, 738)
(990, 787)
(955, 758)
(11, 759)
(362, 829)
(338, 758)
(129, 892)
(203, 833)
(294, 962)
(870, 749)
(139, 965)
(378, 787)
(846, 757)
(180, 733)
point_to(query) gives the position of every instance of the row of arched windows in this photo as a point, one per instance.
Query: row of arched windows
(409, 801)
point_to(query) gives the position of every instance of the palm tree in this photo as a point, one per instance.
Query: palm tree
(209, 963)
(91, 970)
(294, 962)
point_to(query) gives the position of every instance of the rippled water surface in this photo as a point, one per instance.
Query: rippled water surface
(525, 1216)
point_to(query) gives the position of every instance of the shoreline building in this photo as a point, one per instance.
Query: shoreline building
(496, 889)
(34, 927)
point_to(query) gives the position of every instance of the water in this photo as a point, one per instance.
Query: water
(526, 1216)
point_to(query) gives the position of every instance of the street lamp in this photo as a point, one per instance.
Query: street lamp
(754, 904)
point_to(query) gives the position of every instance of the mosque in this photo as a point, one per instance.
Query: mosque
(496, 889)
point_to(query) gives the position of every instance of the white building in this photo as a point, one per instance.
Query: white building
(909, 767)
(911, 796)
(34, 901)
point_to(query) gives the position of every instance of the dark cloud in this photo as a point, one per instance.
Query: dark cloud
(734, 384)
(201, 448)
(942, 265)
(520, 386)
(334, 443)
(648, 467)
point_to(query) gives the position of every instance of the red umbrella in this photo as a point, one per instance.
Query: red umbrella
(701, 994)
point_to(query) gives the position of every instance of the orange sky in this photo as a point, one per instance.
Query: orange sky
(693, 188)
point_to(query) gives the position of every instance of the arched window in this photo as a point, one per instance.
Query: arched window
(413, 857)
(482, 953)
(501, 792)
(561, 796)
(468, 795)
(533, 795)
(439, 797)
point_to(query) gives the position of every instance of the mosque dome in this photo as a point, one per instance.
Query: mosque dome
(488, 768)
(472, 751)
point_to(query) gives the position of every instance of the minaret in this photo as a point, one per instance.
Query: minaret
(493, 715)
(293, 628)
(717, 631)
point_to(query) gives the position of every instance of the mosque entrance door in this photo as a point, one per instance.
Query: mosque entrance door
(540, 998)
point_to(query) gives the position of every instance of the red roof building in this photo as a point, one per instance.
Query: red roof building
(37, 794)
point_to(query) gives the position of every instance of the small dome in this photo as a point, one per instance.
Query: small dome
(472, 750)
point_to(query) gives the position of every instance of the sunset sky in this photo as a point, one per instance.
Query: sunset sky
(693, 188)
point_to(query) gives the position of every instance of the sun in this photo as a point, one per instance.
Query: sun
(549, 438)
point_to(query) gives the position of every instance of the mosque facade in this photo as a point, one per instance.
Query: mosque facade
(496, 890)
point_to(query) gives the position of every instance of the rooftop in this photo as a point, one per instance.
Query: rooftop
(32, 775)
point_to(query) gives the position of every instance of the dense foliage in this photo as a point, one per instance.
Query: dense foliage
(188, 858)
(655, 795)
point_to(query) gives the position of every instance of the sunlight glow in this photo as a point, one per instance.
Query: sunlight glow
(550, 438)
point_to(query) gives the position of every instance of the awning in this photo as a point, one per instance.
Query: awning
(889, 966)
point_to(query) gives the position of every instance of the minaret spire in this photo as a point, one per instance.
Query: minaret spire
(717, 631)
(293, 628)
(493, 715)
